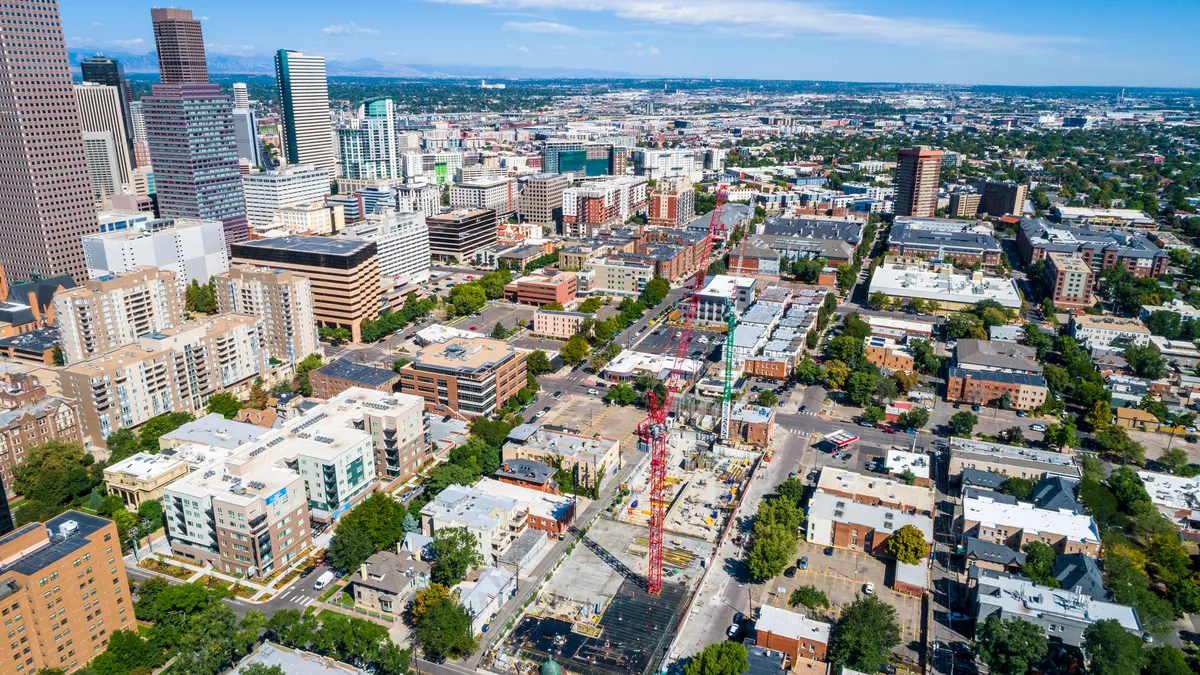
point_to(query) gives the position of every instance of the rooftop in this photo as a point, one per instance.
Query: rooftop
(214, 429)
(791, 625)
(1174, 493)
(66, 534)
(463, 506)
(567, 444)
(1025, 516)
(881, 518)
(309, 244)
(814, 228)
(722, 285)
(358, 373)
(923, 281)
(992, 552)
(1051, 462)
(628, 362)
(464, 354)
(536, 502)
(884, 489)
(1114, 323)
(1000, 355)
(996, 376)
(390, 571)
(1017, 596)
(907, 235)
(296, 662)
(899, 461)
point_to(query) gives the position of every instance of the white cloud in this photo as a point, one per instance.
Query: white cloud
(77, 42)
(652, 50)
(791, 18)
(348, 29)
(97, 23)
(639, 50)
(523, 49)
(126, 44)
(550, 27)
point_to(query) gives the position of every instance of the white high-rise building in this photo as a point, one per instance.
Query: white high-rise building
(245, 129)
(401, 241)
(194, 250)
(497, 194)
(419, 196)
(100, 110)
(139, 121)
(103, 165)
(304, 100)
(241, 97)
(267, 191)
(655, 164)
(368, 143)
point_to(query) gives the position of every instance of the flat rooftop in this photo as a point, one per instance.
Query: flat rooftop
(358, 373)
(1017, 596)
(792, 625)
(887, 520)
(1025, 516)
(63, 541)
(464, 354)
(464, 505)
(722, 285)
(920, 281)
(886, 489)
(1053, 462)
(310, 244)
(214, 429)
(538, 503)
(566, 444)
(1116, 323)
(899, 461)
(628, 362)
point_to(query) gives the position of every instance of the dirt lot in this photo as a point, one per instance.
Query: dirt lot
(842, 577)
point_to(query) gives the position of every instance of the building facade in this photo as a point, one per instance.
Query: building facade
(401, 240)
(468, 377)
(458, 235)
(918, 174)
(495, 194)
(304, 102)
(102, 109)
(194, 250)
(268, 191)
(1023, 391)
(368, 143)
(344, 273)
(1070, 280)
(108, 312)
(283, 299)
(557, 324)
(541, 199)
(179, 43)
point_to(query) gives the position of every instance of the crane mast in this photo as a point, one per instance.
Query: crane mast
(656, 428)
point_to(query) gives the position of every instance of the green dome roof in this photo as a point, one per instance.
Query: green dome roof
(551, 668)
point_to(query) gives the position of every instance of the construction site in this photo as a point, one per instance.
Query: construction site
(595, 616)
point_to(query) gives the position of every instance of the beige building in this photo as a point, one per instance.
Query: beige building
(620, 277)
(1016, 524)
(344, 273)
(283, 299)
(64, 589)
(141, 478)
(964, 204)
(315, 218)
(557, 324)
(115, 310)
(1069, 279)
(592, 459)
(173, 370)
(541, 200)
(465, 376)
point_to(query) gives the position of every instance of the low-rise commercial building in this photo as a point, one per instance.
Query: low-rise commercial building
(465, 376)
(865, 489)
(542, 288)
(1019, 391)
(998, 357)
(81, 553)
(629, 364)
(1108, 331)
(592, 461)
(962, 247)
(899, 329)
(753, 425)
(344, 273)
(1016, 524)
(951, 291)
(1009, 461)
(544, 511)
(337, 376)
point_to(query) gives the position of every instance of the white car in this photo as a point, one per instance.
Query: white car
(540, 413)
(593, 392)
(869, 588)
(1037, 427)
(703, 340)
(732, 630)
(678, 334)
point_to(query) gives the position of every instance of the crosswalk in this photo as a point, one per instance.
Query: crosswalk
(297, 597)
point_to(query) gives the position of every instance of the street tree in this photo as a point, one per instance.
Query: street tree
(455, 552)
(722, 658)
(1012, 646)
(864, 635)
(908, 545)
(1112, 649)
(962, 423)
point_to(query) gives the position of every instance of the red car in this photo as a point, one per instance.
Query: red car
(474, 327)
(889, 430)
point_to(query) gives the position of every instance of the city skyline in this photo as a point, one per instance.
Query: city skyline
(930, 41)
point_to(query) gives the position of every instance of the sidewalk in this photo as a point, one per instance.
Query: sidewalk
(161, 547)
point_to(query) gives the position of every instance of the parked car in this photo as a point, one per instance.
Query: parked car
(558, 394)
(803, 563)
(869, 588)
(732, 630)
(790, 573)
(593, 392)
(975, 407)
(1037, 427)
(1020, 413)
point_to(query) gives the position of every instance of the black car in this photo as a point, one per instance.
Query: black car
(307, 571)
(790, 572)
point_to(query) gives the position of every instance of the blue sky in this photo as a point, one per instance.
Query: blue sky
(1053, 42)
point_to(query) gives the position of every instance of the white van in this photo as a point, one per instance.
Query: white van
(323, 581)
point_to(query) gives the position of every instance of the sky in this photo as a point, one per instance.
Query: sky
(1014, 42)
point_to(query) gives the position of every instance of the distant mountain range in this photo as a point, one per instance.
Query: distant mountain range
(229, 64)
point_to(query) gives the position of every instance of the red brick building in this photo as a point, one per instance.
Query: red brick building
(528, 473)
(983, 387)
(542, 288)
(753, 425)
(791, 633)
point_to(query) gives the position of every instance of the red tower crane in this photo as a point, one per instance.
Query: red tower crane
(656, 428)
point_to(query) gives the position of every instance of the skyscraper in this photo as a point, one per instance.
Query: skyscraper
(110, 72)
(193, 148)
(101, 110)
(180, 45)
(103, 166)
(45, 194)
(241, 97)
(368, 144)
(918, 173)
(190, 129)
(304, 98)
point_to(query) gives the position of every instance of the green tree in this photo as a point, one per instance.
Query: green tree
(877, 300)
(1061, 435)
(200, 298)
(1039, 564)
(553, 307)
(575, 351)
(809, 371)
(1165, 660)
(861, 387)
(1012, 646)
(1012, 436)
(537, 362)
(962, 423)
(864, 635)
(307, 364)
(455, 553)
(468, 299)
(914, 419)
(836, 373)
(791, 489)
(498, 331)
(908, 545)
(873, 414)
(258, 669)
(767, 398)
(410, 524)
(964, 325)
(1112, 649)
(1145, 361)
(925, 360)
(224, 404)
(444, 630)
(350, 546)
(808, 596)
(770, 551)
(621, 394)
(722, 658)
(398, 364)
(1174, 459)
(655, 292)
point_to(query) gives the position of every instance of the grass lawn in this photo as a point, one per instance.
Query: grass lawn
(334, 588)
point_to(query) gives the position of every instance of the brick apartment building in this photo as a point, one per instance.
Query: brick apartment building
(1025, 391)
(1070, 279)
(64, 592)
(468, 377)
(888, 354)
(791, 633)
(30, 419)
(557, 324)
(333, 378)
(1098, 249)
(1014, 524)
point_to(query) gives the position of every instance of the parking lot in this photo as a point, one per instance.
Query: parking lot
(663, 341)
(503, 312)
(842, 576)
